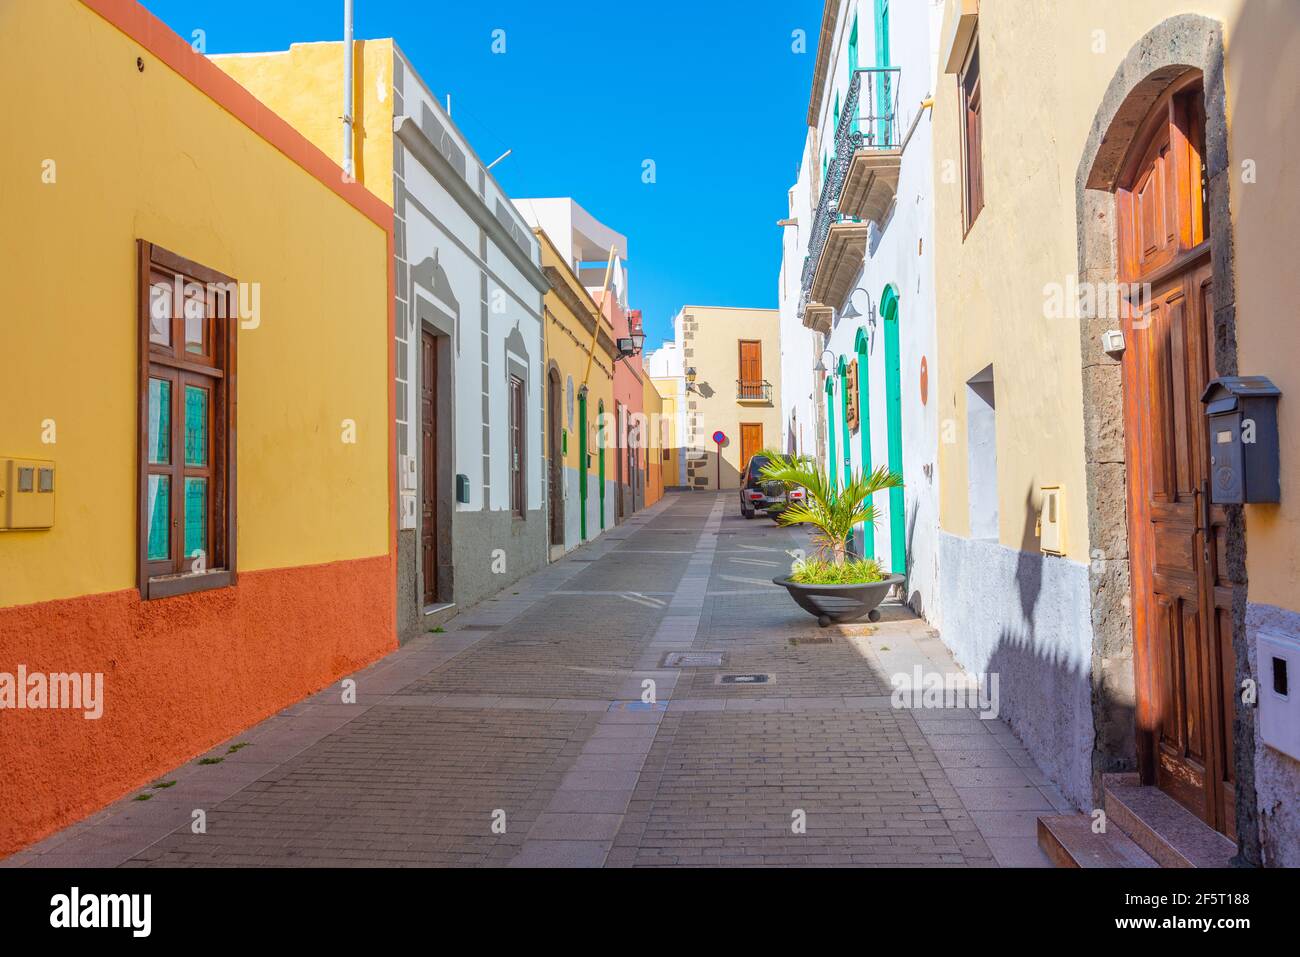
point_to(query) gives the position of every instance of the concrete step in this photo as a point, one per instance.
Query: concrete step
(1169, 833)
(1068, 841)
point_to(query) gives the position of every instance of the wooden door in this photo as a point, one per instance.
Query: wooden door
(751, 369)
(429, 466)
(1182, 597)
(751, 441)
(618, 461)
(555, 458)
(583, 466)
(517, 419)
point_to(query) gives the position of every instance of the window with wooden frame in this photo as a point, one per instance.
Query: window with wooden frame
(972, 133)
(188, 327)
(517, 419)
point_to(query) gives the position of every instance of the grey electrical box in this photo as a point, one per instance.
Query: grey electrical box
(1241, 415)
(462, 489)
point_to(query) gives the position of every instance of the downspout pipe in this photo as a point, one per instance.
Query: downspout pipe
(349, 167)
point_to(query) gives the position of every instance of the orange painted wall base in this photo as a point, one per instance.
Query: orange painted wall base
(180, 675)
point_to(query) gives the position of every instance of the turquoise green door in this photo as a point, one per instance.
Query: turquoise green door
(600, 434)
(582, 463)
(883, 80)
(894, 421)
(833, 466)
(861, 347)
(853, 69)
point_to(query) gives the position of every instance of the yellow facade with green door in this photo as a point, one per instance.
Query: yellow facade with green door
(579, 371)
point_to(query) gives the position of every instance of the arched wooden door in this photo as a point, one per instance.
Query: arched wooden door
(1182, 619)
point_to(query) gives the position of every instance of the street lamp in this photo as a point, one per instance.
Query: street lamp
(632, 344)
(850, 312)
(690, 378)
(821, 366)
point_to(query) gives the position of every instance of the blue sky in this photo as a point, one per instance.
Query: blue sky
(585, 92)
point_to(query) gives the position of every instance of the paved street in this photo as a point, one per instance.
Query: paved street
(519, 737)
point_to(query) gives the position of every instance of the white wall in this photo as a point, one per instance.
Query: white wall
(579, 237)
(800, 346)
(899, 255)
(450, 234)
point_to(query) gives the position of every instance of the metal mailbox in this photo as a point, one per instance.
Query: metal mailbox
(1241, 415)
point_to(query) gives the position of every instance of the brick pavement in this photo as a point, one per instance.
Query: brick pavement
(520, 737)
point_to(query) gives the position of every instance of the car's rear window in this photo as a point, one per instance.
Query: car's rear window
(756, 463)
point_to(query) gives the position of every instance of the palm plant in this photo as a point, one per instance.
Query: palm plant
(835, 513)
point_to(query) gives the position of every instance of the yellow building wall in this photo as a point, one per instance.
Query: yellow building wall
(653, 408)
(68, 259)
(305, 86)
(715, 355)
(991, 291)
(568, 345)
(671, 436)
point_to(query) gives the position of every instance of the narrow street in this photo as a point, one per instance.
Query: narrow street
(519, 736)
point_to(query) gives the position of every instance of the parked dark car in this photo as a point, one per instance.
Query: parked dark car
(757, 494)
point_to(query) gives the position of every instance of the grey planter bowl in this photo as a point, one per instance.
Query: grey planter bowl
(840, 603)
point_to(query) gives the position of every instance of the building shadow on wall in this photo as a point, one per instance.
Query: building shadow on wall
(702, 472)
(914, 599)
(1048, 695)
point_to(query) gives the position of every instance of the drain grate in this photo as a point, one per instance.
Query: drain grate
(693, 659)
(478, 628)
(749, 679)
(811, 640)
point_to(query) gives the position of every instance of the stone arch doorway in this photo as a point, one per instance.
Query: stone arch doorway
(1155, 165)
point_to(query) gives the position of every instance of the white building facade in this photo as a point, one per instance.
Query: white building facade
(857, 279)
(469, 355)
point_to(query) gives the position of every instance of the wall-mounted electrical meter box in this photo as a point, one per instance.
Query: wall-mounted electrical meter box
(26, 494)
(1051, 521)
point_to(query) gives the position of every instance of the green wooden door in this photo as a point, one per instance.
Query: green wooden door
(853, 69)
(600, 441)
(832, 466)
(883, 80)
(861, 347)
(894, 422)
(582, 463)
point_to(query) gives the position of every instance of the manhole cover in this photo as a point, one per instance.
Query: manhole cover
(755, 679)
(693, 659)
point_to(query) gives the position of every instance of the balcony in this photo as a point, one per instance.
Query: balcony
(754, 393)
(861, 181)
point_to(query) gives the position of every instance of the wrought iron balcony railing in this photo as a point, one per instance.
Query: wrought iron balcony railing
(868, 120)
(753, 391)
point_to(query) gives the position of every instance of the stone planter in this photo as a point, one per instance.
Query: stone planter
(840, 603)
